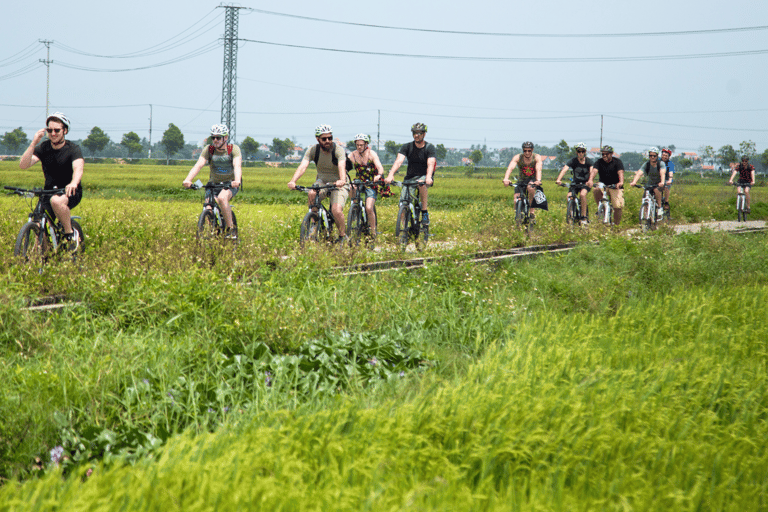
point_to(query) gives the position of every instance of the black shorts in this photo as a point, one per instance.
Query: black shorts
(72, 201)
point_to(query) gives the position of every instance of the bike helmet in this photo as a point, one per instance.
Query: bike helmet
(419, 127)
(219, 129)
(579, 146)
(323, 128)
(363, 137)
(527, 145)
(653, 149)
(666, 150)
(607, 149)
(59, 117)
(745, 158)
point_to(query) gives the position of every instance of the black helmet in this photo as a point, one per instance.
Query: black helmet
(745, 158)
(419, 127)
(527, 144)
(607, 149)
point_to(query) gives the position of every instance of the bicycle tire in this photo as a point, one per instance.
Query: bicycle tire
(355, 224)
(519, 213)
(207, 227)
(403, 226)
(31, 243)
(310, 228)
(645, 216)
(572, 213)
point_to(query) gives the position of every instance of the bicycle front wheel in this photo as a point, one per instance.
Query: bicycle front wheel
(645, 216)
(519, 212)
(207, 227)
(31, 243)
(355, 224)
(403, 226)
(310, 228)
(572, 212)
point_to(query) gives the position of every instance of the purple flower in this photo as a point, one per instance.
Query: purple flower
(374, 361)
(268, 378)
(56, 454)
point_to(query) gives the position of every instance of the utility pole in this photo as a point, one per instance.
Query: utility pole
(47, 61)
(601, 132)
(150, 131)
(378, 135)
(229, 81)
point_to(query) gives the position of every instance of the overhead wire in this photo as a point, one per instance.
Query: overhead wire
(195, 53)
(522, 34)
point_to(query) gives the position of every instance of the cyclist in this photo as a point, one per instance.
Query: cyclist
(422, 161)
(368, 168)
(530, 165)
(610, 170)
(63, 165)
(330, 159)
(580, 166)
(746, 172)
(666, 153)
(655, 172)
(226, 163)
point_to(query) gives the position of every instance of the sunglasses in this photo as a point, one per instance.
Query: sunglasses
(217, 137)
(326, 139)
(53, 130)
(581, 150)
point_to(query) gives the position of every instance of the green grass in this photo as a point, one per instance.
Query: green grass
(627, 374)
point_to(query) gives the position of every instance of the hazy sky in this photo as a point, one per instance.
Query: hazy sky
(481, 78)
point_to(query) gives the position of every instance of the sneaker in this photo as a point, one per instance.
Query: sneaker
(584, 221)
(425, 218)
(660, 212)
(72, 241)
(342, 240)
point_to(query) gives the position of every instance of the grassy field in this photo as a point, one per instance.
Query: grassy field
(628, 374)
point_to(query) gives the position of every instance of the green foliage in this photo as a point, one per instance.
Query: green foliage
(747, 148)
(15, 140)
(631, 160)
(476, 156)
(282, 147)
(440, 152)
(173, 140)
(249, 146)
(96, 141)
(727, 155)
(132, 143)
(392, 147)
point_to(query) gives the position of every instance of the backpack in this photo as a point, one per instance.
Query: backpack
(334, 160)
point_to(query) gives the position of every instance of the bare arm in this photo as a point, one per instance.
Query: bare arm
(28, 159)
(539, 166)
(562, 173)
(398, 162)
(300, 170)
(377, 164)
(431, 164)
(193, 172)
(510, 167)
(77, 175)
(237, 164)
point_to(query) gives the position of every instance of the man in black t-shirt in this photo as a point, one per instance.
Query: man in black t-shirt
(421, 165)
(63, 164)
(611, 172)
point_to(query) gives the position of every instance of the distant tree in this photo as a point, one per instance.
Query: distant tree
(727, 155)
(747, 148)
(281, 147)
(440, 152)
(476, 156)
(96, 140)
(14, 140)
(249, 146)
(132, 142)
(684, 163)
(563, 153)
(632, 160)
(173, 141)
(764, 158)
(707, 152)
(392, 147)
(351, 145)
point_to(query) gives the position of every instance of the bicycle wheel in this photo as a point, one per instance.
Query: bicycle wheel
(645, 216)
(519, 213)
(80, 237)
(403, 226)
(207, 227)
(32, 243)
(572, 212)
(355, 224)
(310, 228)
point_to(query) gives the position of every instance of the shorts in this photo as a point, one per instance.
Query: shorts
(522, 187)
(233, 190)
(371, 192)
(414, 190)
(578, 190)
(744, 184)
(338, 195)
(617, 197)
(72, 201)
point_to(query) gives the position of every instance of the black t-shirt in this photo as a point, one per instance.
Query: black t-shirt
(57, 163)
(580, 171)
(417, 159)
(609, 172)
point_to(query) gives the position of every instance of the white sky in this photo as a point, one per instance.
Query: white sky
(285, 92)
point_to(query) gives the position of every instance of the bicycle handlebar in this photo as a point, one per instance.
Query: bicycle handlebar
(224, 185)
(314, 187)
(367, 183)
(36, 191)
(409, 183)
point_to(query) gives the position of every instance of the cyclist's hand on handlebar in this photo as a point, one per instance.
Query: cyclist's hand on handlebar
(235, 184)
(429, 181)
(340, 183)
(506, 182)
(70, 189)
(389, 179)
(187, 183)
(292, 185)
(559, 183)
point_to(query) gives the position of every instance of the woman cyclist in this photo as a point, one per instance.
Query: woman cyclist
(746, 172)
(580, 166)
(368, 168)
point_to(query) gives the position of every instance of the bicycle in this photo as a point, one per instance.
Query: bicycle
(357, 218)
(43, 233)
(741, 200)
(604, 207)
(573, 205)
(408, 224)
(648, 208)
(318, 224)
(210, 223)
(523, 215)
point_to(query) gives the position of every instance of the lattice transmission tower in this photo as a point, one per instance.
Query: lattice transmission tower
(229, 82)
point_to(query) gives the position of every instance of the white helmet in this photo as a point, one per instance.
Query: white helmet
(60, 117)
(653, 149)
(580, 145)
(219, 129)
(323, 128)
(363, 137)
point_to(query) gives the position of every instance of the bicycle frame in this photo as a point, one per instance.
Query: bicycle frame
(218, 224)
(605, 208)
(408, 214)
(358, 227)
(573, 211)
(318, 219)
(741, 200)
(522, 205)
(648, 207)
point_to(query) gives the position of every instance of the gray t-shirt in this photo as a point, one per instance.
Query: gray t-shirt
(326, 171)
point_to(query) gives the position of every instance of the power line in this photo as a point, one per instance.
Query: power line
(195, 53)
(21, 55)
(517, 34)
(690, 126)
(522, 59)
